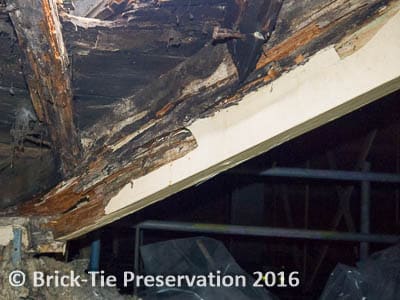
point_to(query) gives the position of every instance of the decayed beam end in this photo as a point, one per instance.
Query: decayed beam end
(46, 69)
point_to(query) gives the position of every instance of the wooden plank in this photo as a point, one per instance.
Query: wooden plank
(46, 68)
(303, 28)
(186, 92)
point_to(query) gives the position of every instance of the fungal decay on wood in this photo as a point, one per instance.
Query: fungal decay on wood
(109, 88)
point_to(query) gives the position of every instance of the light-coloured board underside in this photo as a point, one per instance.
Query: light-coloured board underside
(324, 89)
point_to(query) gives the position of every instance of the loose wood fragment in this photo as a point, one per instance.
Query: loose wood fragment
(221, 34)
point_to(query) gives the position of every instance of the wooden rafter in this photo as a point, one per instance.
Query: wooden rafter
(47, 71)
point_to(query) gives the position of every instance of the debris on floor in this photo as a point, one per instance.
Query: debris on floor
(49, 266)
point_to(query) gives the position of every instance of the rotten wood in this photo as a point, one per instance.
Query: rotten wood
(193, 87)
(82, 205)
(35, 238)
(257, 20)
(131, 140)
(301, 29)
(223, 34)
(148, 123)
(46, 67)
(177, 98)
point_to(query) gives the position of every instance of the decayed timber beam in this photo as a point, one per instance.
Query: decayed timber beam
(132, 163)
(46, 68)
(186, 92)
(81, 205)
(146, 131)
(324, 88)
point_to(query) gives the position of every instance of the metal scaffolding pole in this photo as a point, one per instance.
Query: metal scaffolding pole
(268, 232)
(327, 175)
(256, 232)
(136, 263)
(365, 212)
(94, 262)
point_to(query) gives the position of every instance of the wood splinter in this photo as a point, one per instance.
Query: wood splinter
(221, 34)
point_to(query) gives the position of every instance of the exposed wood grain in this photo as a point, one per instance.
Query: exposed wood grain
(191, 88)
(358, 39)
(201, 76)
(284, 49)
(310, 38)
(136, 121)
(47, 73)
(81, 205)
(142, 131)
(303, 28)
(366, 76)
(326, 24)
(145, 44)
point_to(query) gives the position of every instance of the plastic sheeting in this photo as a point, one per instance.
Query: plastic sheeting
(377, 277)
(194, 257)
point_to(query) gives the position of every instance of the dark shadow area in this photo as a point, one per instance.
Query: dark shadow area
(370, 134)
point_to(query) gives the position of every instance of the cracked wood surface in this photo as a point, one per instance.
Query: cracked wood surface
(46, 68)
(81, 205)
(129, 140)
(140, 122)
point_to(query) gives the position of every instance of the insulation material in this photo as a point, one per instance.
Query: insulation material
(378, 277)
(48, 266)
(195, 257)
